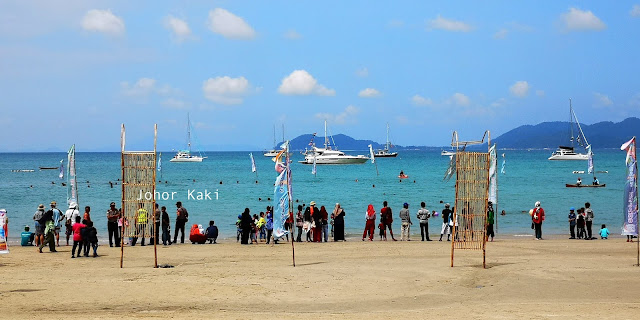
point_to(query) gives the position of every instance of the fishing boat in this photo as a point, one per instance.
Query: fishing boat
(569, 153)
(569, 185)
(386, 153)
(185, 155)
(329, 154)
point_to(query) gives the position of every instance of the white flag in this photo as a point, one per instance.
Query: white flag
(253, 163)
(313, 170)
(373, 158)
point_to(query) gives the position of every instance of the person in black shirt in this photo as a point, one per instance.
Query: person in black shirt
(446, 212)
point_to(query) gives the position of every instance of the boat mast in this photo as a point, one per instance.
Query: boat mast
(274, 136)
(571, 122)
(326, 139)
(188, 133)
(387, 146)
(584, 138)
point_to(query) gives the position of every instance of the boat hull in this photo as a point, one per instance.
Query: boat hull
(577, 156)
(271, 153)
(192, 159)
(568, 185)
(333, 160)
(386, 155)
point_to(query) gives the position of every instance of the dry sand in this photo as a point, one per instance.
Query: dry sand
(525, 279)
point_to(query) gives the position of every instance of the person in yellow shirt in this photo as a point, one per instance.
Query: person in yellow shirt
(261, 226)
(142, 217)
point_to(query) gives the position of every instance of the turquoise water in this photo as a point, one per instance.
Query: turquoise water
(529, 177)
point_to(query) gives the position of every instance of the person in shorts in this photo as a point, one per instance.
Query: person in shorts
(37, 217)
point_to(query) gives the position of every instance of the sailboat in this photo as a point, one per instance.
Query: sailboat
(568, 153)
(329, 155)
(185, 155)
(385, 153)
(274, 152)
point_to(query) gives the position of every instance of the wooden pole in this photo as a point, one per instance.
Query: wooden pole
(122, 144)
(289, 190)
(154, 229)
(637, 218)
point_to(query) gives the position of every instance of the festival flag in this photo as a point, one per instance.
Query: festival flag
(279, 166)
(160, 162)
(493, 179)
(72, 186)
(312, 137)
(281, 198)
(590, 160)
(451, 170)
(373, 158)
(630, 224)
(504, 162)
(253, 163)
(313, 169)
(61, 175)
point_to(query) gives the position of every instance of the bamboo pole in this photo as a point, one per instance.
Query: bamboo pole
(122, 145)
(153, 206)
(289, 191)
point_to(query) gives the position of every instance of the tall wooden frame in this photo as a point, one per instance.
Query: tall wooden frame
(138, 189)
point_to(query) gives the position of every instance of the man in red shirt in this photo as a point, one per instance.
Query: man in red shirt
(537, 217)
(386, 217)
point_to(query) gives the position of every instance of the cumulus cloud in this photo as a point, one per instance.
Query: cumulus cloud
(602, 100)
(579, 20)
(419, 100)
(499, 103)
(346, 116)
(362, 72)
(369, 93)
(520, 89)
(229, 25)
(501, 34)
(635, 11)
(292, 35)
(226, 90)
(142, 88)
(300, 82)
(179, 28)
(172, 103)
(449, 25)
(103, 21)
(460, 99)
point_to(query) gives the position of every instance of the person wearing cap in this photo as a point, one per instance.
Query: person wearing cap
(57, 221)
(166, 227)
(182, 216)
(572, 222)
(538, 217)
(70, 219)
(39, 224)
(27, 237)
(405, 216)
(113, 214)
(446, 212)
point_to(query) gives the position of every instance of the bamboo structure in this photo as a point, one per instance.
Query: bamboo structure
(472, 193)
(138, 200)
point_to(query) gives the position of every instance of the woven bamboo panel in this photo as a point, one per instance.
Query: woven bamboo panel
(470, 212)
(138, 177)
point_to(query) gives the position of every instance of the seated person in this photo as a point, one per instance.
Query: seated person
(196, 236)
(26, 237)
(595, 181)
(579, 182)
(212, 232)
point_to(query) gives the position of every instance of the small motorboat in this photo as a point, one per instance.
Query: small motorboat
(569, 185)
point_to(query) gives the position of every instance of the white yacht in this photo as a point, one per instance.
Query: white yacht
(568, 153)
(185, 155)
(386, 153)
(447, 153)
(328, 155)
(274, 152)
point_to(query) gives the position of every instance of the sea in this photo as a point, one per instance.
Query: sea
(528, 177)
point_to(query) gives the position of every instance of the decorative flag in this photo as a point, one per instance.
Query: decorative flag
(160, 162)
(629, 227)
(493, 179)
(278, 160)
(504, 161)
(72, 186)
(253, 163)
(4, 248)
(312, 137)
(61, 175)
(373, 158)
(281, 198)
(451, 170)
(313, 169)
(590, 161)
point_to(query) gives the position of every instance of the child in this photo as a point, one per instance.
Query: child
(383, 233)
(580, 224)
(77, 238)
(604, 232)
(26, 237)
(212, 232)
(93, 238)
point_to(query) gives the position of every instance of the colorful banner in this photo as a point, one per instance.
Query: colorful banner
(281, 197)
(504, 162)
(493, 177)
(630, 225)
(4, 248)
(72, 186)
(160, 162)
(313, 169)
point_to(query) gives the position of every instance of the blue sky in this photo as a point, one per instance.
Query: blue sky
(73, 71)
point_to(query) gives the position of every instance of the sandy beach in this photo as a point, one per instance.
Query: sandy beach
(555, 278)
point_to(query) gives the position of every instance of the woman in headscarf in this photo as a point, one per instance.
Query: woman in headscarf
(317, 221)
(370, 224)
(245, 225)
(338, 223)
(299, 223)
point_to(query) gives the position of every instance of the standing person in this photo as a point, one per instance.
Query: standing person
(57, 221)
(269, 226)
(589, 220)
(70, 216)
(370, 224)
(261, 226)
(238, 228)
(446, 212)
(423, 216)
(92, 234)
(299, 223)
(572, 222)
(580, 224)
(155, 230)
(317, 222)
(405, 216)
(113, 214)
(37, 217)
(307, 223)
(245, 224)
(538, 217)
(87, 215)
(140, 222)
(182, 216)
(47, 220)
(166, 224)
(338, 223)
(386, 217)
(77, 238)
(490, 218)
(324, 215)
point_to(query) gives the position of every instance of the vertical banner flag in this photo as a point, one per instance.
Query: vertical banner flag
(4, 248)
(630, 224)
(493, 179)
(313, 169)
(504, 161)
(72, 186)
(590, 160)
(160, 162)
(61, 175)
(373, 158)
(253, 163)
(281, 198)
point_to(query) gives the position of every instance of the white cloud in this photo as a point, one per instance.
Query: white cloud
(142, 88)
(292, 35)
(540, 93)
(103, 21)
(501, 34)
(172, 103)
(419, 100)
(449, 25)
(402, 119)
(226, 90)
(362, 72)
(179, 28)
(346, 116)
(602, 100)
(460, 99)
(229, 25)
(520, 89)
(300, 82)
(499, 103)
(369, 93)
(579, 20)
(635, 11)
